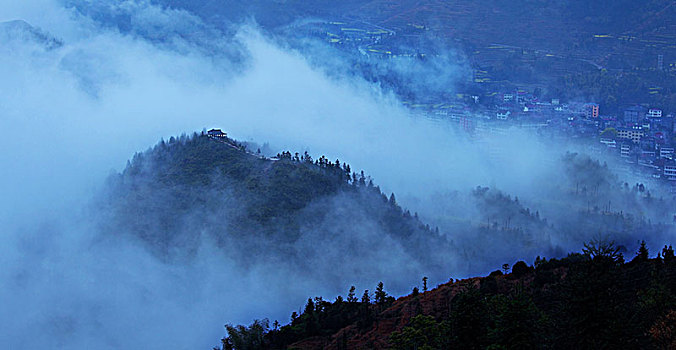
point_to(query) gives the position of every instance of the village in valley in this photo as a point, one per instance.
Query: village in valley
(641, 135)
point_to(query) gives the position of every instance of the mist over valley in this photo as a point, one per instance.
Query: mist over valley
(361, 143)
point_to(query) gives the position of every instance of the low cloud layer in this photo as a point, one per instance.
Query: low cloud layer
(84, 86)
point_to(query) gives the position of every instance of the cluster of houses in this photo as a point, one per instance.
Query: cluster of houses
(642, 136)
(639, 135)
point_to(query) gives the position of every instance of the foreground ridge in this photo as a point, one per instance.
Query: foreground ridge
(586, 300)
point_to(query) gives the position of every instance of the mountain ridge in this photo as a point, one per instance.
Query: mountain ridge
(180, 190)
(586, 300)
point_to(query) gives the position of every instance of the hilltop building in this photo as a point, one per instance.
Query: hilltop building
(217, 134)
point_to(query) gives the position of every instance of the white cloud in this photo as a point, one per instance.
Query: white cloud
(72, 114)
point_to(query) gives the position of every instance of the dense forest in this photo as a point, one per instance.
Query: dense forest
(588, 300)
(191, 187)
(255, 206)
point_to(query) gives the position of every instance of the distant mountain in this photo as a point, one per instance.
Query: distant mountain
(592, 300)
(602, 51)
(21, 31)
(568, 26)
(192, 188)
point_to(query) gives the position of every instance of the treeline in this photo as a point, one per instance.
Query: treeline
(342, 171)
(504, 213)
(192, 185)
(587, 300)
(318, 318)
(198, 160)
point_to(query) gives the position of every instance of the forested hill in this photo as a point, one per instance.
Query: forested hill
(192, 188)
(588, 300)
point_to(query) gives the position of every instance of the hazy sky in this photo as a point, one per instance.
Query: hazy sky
(71, 115)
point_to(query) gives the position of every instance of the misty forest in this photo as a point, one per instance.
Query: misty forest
(359, 174)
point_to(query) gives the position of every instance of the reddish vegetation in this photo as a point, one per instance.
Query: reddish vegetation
(593, 300)
(664, 331)
(435, 303)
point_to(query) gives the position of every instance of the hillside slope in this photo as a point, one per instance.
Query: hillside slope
(286, 209)
(566, 27)
(585, 301)
(601, 51)
(301, 212)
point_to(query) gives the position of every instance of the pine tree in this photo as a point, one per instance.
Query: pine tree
(366, 298)
(319, 304)
(309, 307)
(380, 295)
(668, 253)
(351, 298)
(642, 254)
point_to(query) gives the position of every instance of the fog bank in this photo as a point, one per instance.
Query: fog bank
(84, 86)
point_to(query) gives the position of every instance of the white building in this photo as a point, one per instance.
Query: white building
(625, 150)
(610, 143)
(654, 113)
(670, 172)
(503, 115)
